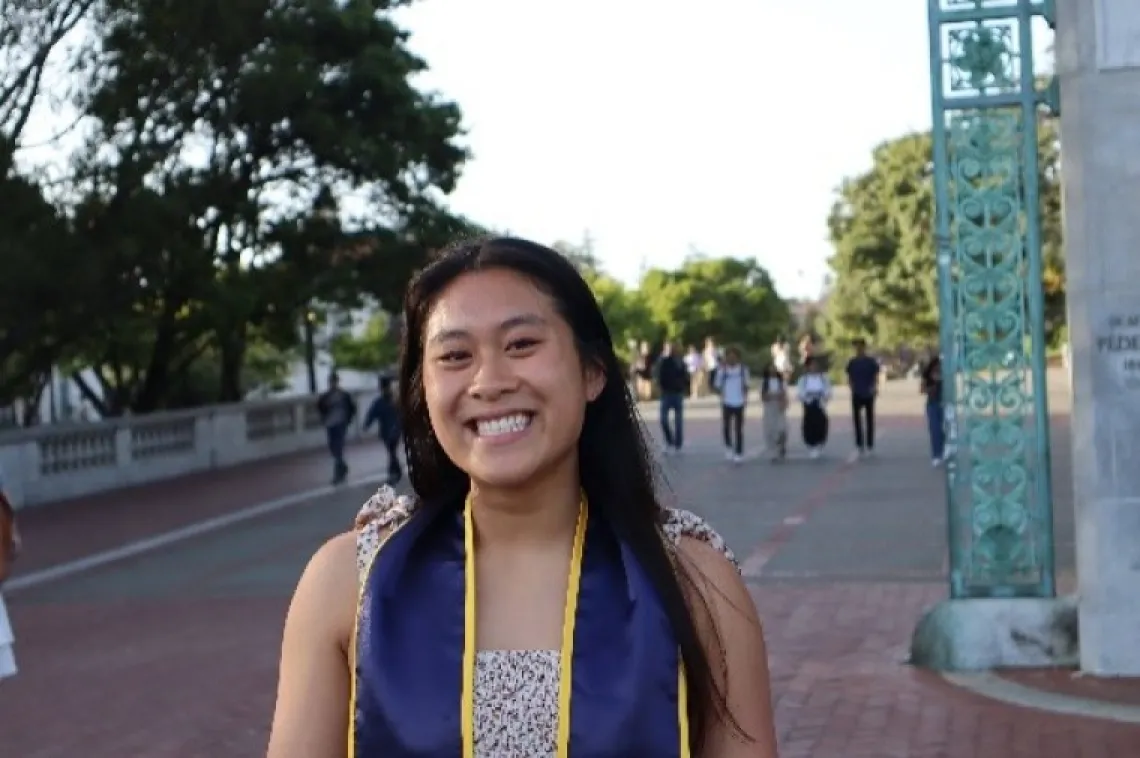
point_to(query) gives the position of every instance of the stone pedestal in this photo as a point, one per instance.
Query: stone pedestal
(1098, 62)
(978, 635)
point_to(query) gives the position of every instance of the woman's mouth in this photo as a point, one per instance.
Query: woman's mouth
(502, 426)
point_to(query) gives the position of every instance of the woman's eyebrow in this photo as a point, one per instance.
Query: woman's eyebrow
(523, 319)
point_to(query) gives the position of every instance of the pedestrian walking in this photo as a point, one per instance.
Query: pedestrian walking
(774, 401)
(931, 386)
(711, 361)
(643, 373)
(672, 379)
(386, 416)
(732, 386)
(696, 364)
(863, 373)
(814, 391)
(781, 357)
(9, 550)
(337, 410)
(806, 349)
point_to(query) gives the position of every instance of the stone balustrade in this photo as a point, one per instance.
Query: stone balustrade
(57, 462)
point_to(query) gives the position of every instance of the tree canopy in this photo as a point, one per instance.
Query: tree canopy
(234, 176)
(884, 281)
(732, 300)
(242, 163)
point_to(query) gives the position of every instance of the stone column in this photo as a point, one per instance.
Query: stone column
(1098, 63)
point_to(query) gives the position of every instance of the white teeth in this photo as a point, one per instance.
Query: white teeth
(503, 425)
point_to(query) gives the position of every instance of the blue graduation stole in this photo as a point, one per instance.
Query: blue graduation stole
(622, 690)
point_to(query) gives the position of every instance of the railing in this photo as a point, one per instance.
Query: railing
(57, 462)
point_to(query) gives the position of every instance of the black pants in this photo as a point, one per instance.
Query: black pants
(733, 419)
(863, 410)
(815, 425)
(336, 438)
(395, 471)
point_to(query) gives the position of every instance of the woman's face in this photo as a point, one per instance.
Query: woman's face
(505, 387)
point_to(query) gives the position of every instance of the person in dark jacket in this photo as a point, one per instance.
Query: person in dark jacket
(935, 418)
(386, 416)
(673, 382)
(337, 410)
(863, 373)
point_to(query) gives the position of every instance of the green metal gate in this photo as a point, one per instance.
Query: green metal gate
(986, 100)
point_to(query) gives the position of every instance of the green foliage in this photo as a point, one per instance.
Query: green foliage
(40, 319)
(734, 301)
(884, 285)
(374, 350)
(626, 312)
(204, 219)
(729, 299)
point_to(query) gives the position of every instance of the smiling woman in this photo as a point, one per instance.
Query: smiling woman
(533, 598)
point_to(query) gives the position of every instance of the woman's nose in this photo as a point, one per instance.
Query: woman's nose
(493, 378)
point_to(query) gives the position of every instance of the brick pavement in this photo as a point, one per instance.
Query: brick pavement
(174, 654)
(71, 529)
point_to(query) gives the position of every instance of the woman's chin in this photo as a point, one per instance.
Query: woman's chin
(520, 469)
(504, 472)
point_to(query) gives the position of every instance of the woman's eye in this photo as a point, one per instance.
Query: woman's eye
(523, 344)
(452, 356)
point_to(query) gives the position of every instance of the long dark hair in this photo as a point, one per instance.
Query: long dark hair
(615, 465)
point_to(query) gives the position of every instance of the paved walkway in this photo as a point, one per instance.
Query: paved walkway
(173, 652)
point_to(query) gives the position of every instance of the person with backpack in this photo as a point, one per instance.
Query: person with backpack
(386, 416)
(732, 386)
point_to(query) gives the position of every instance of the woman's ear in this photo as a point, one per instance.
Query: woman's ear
(595, 380)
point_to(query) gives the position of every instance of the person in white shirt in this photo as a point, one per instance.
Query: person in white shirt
(696, 365)
(732, 386)
(814, 390)
(781, 359)
(711, 359)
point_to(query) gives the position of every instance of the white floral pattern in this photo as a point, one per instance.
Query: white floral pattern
(516, 691)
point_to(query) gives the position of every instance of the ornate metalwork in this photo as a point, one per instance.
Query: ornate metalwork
(986, 103)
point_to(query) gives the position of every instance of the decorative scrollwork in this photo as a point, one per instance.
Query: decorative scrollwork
(995, 403)
(955, 5)
(983, 57)
(996, 473)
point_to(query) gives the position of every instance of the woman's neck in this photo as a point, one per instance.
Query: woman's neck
(539, 512)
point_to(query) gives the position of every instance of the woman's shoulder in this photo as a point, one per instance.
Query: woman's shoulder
(680, 524)
(382, 514)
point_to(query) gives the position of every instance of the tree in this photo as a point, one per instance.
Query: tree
(43, 291)
(881, 226)
(45, 274)
(374, 350)
(625, 310)
(732, 300)
(582, 255)
(32, 32)
(228, 133)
